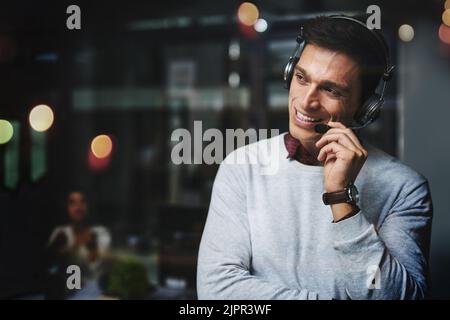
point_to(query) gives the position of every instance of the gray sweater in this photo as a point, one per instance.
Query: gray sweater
(269, 236)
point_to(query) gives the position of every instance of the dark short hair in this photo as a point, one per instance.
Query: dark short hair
(354, 40)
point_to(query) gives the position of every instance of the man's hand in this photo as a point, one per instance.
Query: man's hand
(343, 156)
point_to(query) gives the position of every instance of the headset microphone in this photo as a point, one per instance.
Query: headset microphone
(323, 128)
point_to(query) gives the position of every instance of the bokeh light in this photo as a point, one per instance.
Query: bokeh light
(406, 33)
(248, 13)
(6, 131)
(444, 33)
(234, 50)
(247, 31)
(447, 4)
(101, 146)
(446, 17)
(98, 164)
(41, 118)
(261, 25)
(234, 79)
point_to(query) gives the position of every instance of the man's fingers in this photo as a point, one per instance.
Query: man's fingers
(336, 124)
(338, 149)
(337, 127)
(329, 157)
(339, 138)
(347, 132)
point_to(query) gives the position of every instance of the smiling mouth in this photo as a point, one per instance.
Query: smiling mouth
(304, 118)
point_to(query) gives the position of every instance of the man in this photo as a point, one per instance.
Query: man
(273, 236)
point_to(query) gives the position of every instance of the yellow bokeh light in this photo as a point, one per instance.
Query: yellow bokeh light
(41, 118)
(446, 17)
(6, 131)
(248, 13)
(406, 33)
(101, 146)
(447, 4)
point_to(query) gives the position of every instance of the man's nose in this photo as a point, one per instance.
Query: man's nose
(311, 98)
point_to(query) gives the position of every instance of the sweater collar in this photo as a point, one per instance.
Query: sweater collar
(297, 151)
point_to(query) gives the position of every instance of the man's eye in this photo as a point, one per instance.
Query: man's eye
(333, 92)
(300, 77)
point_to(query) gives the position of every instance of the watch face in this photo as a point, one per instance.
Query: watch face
(353, 194)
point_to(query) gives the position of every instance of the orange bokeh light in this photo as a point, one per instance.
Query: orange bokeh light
(248, 13)
(98, 164)
(101, 146)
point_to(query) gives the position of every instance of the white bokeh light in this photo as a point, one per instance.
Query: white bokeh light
(261, 25)
(234, 79)
(406, 33)
(234, 50)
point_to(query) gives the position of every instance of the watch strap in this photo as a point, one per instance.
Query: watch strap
(335, 197)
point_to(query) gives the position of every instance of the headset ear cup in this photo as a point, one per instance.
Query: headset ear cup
(293, 60)
(370, 111)
(289, 71)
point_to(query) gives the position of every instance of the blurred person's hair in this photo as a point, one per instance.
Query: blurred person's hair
(84, 191)
(354, 40)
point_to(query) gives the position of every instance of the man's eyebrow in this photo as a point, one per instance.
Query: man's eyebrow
(340, 86)
(298, 68)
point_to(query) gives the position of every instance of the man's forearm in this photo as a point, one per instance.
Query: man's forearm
(369, 268)
(232, 282)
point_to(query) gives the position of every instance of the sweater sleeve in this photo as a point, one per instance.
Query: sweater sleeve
(224, 263)
(391, 262)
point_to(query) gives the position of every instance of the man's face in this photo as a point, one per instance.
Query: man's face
(77, 206)
(325, 86)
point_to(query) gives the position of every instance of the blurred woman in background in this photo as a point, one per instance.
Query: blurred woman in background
(77, 243)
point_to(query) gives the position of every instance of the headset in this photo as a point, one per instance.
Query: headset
(371, 108)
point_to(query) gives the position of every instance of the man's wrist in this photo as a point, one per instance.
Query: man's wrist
(336, 188)
(348, 194)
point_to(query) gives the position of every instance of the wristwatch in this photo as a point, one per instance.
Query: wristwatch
(348, 195)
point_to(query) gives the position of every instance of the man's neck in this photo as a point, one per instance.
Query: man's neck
(310, 147)
(301, 151)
